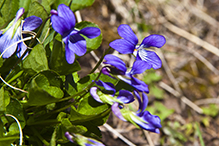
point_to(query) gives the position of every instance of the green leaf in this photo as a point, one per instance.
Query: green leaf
(58, 2)
(9, 10)
(151, 76)
(89, 106)
(94, 43)
(157, 92)
(73, 128)
(5, 99)
(58, 62)
(44, 84)
(25, 4)
(38, 10)
(211, 110)
(36, 61)
(41, 93)
(78, 118)
(79, 4)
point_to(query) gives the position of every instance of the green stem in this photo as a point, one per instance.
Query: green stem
(101, 59)
(52, 122)
(39, 136)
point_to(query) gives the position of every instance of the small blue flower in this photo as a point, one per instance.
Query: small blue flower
(128, 45)
(63, 22)
(143, 119)
(13, 33)
(118, 68)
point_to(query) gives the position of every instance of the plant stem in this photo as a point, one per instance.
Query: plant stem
(39, 136)
(101, 59)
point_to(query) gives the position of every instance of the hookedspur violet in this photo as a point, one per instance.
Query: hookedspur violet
(128, 45)
(142, 118)
(10, 37)
(63, 21)
(119, 69)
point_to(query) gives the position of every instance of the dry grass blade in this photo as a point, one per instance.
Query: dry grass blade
(109, 128)
(192, 38)
(183, 98)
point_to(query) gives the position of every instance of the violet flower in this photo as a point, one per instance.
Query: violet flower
(118, 68)
(141, 118)
(63, 21)
(128, 45)
(13, 33)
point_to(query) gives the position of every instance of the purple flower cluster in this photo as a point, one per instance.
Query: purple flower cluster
(117, 70)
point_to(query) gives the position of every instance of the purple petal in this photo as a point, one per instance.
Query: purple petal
(153, 122)
(77, 44)
(93, 92)
(69, 136)
(31, 23)
(148, 125)
(116, 111)
(90, 32)
(139, 85)
(144, 102)
(126, 32)
(53, 12)
(108, 86)
(154, 40)
(125, 96)
(21, 49)
(152, 119)
(69, 55)
(116, 62)
(122, 46)
(20, 12)
(60, 25)
(94, 143)
(150, 57)
(66, 13)
(6, 41)
(139, 67)
(136, 83)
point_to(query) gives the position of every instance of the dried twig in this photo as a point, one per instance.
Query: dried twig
(183, 98)
(109, 128)
(148, 138)
(207, 101)
(191, 37)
